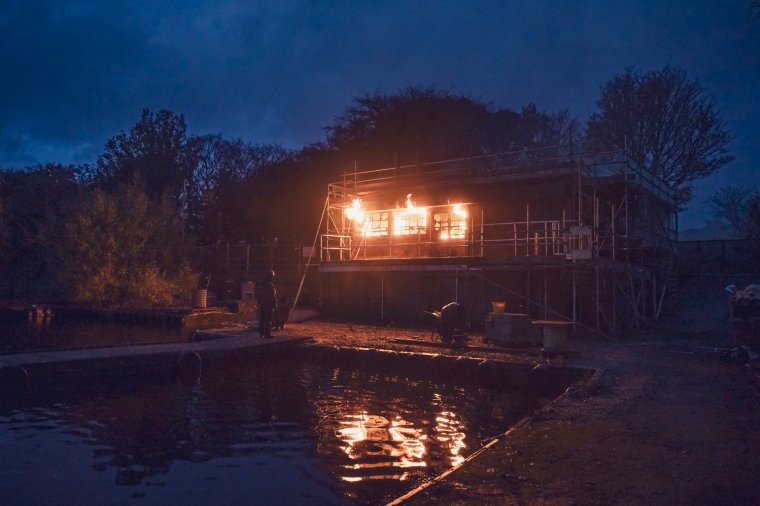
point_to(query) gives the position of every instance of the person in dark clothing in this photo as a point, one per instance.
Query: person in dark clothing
(266, 295)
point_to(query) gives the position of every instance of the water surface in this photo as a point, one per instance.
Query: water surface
(269, 432)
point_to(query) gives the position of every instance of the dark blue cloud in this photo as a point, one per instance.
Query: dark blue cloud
(77, 72)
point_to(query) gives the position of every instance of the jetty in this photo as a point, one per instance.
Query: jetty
(43, 370)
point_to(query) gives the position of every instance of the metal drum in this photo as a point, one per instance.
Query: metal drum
(199, 298)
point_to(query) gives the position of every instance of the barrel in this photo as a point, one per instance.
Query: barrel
(198, 298)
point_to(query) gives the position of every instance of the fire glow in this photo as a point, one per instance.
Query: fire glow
(449, 221)
(356, 214)
(411, 220)
(457, 228)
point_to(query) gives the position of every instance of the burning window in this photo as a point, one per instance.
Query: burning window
(367, 223)
(377, 224)
(410, 220)
(449, 221)
(451, 224)
(441, 224)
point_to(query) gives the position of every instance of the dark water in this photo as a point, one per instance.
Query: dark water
(271, 432)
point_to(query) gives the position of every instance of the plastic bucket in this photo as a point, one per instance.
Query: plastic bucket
(498, 307)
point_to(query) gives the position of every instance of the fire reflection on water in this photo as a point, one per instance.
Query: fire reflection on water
(380, 444)
(449, 433)
(329, 432)
(382, 448)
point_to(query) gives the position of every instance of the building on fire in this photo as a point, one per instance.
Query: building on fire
(558, 234)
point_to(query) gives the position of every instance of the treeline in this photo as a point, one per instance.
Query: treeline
(120, 231)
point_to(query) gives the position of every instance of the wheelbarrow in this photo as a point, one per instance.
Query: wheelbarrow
(450, 323)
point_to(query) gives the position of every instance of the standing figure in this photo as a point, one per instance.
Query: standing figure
(266, 295)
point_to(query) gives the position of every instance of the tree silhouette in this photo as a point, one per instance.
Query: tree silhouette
(426, 124)
(286, 198)
(35, 203)
(121, 247)
(155, 152)
(226, 183)
(666, 122)
(732, 205)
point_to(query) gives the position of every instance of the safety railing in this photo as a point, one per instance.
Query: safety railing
(335, 247)
(508, 239)
(526, 238)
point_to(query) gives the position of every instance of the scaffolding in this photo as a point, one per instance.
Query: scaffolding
(612, 228)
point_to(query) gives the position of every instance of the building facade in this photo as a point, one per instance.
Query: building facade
(557, 233)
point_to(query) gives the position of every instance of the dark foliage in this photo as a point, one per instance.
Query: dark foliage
(753, 226)
(34, 204)
(121, 248)
(224, 187)
(288, 198)
(666, 122)
(154, 153)
(731, 204)
(740, 207)
(426, 124)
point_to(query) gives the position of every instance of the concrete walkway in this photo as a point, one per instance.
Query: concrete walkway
(215, 341)
(46, 370)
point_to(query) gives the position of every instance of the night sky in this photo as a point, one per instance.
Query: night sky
(77, 72)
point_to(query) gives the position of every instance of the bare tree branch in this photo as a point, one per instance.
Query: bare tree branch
(666, 122)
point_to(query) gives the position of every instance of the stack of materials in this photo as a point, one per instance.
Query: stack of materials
(509, 328)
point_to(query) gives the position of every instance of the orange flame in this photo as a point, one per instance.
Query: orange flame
(355, 212)
(457, 223)
(411, 220)
(360, 218)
